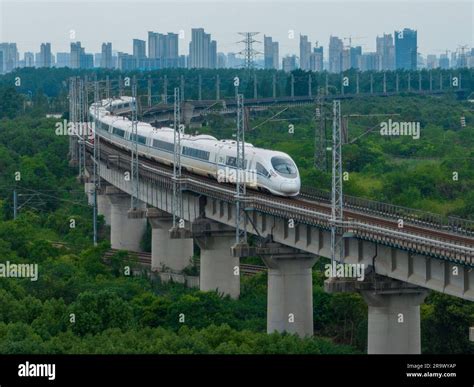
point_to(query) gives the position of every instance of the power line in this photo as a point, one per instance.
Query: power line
(249, 52)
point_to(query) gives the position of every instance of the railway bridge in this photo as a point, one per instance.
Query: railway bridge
(401, 264)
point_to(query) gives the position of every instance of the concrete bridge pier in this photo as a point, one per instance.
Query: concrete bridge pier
(167, 254)
(290, 293)
(104, 206)
(126, 228)
(220, 270)
(394, 321)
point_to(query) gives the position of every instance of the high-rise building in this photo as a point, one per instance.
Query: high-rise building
(336, 48)
(406, 49)
(10, 57)
(152, 44)
(202, 50)
(431, 61)
(462, 60)
(29, 59)
(289, 63)
(386, 51)
(316, 59)
(270, 53)
(221, 60)
(354, 53)
(106, 57)
(87, 61)
(62, 59)
(139, 48)
(233, 61)
(443, 62)
(346, 59)
(79, 59)
(276, 55)
(369, 61)
(127, 62)
(97, 59)
(171, 50)
(76, 55)
(165, 48)
(45, 55)
(183, 61)
(305, 52)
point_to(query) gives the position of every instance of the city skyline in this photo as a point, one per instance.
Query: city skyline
(393, 51)
(40, 22)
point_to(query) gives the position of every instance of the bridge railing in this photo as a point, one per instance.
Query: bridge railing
(454, 251)
(419, 217)
(453, 248)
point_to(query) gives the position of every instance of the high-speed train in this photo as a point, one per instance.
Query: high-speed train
(264, 169)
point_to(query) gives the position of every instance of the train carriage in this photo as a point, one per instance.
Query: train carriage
(264, 170)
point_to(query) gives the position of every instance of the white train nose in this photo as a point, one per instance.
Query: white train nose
(290, 187)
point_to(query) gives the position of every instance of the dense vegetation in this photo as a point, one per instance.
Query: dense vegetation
(81, 305)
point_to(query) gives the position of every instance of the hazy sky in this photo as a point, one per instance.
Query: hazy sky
(441, 24)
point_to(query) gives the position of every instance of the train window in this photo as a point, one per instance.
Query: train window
(141, 139)
(284, 166)
(232, 162)
(119, 132)
(197, 153)
(261, 170)
(167, 146)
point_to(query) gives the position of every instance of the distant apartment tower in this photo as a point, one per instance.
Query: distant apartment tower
(77, 52)
(336, 48)
(202, 50)
(316, 59)
(139, 48)
(386, 51)
(87, 61)
(233, 61)
(369, 61)
(106, 57)
(172, 50)
(289, 63)
(164, 48)
(406, 49)
(97, 59)
(127, 62)
(355, 53)
(443, 62)
(45, 55)
(10, 57)
(346, 59)
(221, 60)
(29, 59)
(270, 53)
(431, 61)
(63, 59)
(305, 52)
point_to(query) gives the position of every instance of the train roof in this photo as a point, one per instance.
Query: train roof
(166, 133)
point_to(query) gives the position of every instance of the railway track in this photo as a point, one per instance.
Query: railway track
(417, 224)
